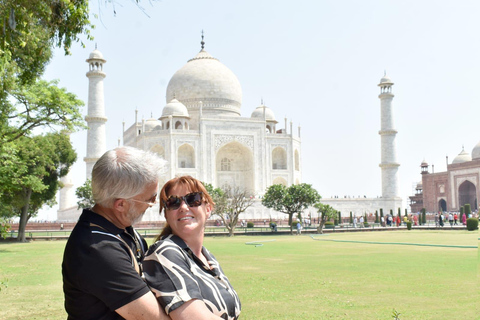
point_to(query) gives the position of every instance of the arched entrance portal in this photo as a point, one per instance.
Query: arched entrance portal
(467, 193)
(442, 205)
(234, 167)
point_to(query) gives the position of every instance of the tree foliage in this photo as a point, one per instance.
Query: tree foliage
(85, 196)
(4, 228)
(326, 213)
(40, 105)
(30, 29)
(290, 200)
(36, 165)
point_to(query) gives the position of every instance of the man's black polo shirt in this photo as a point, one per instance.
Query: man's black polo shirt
(98, 272)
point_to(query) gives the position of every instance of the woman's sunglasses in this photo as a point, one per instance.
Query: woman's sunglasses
(193, 199)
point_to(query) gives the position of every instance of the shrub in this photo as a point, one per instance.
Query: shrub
(468, 210)
(329, 224)
(472, 224)
(250, 224)
(409, 225)
(366, 224)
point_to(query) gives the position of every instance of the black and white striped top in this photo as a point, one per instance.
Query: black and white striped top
(176, 275)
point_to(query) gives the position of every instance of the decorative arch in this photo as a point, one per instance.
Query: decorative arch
(158, 149)
(467, 193)
(280, 180)
(442, 205)
(234, 167)
(269, 129)
(186, 156)
(297, 160)
(178, 125)
(279, 159)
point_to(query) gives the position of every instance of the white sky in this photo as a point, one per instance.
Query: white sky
(317, 63)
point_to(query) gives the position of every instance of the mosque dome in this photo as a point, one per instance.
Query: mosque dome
(476, 152)
(258, 113)
(205, 79)
(386, 80)
(96, 55)
(175, 109)
(462, 157)
(152, 124)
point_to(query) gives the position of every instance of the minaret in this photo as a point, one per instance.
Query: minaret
(387, 133)
(96, 137)
(66, 198)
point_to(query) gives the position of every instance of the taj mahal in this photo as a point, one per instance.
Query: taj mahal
(201, 132)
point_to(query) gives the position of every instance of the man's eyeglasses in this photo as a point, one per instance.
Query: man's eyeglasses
(193, 199)
(151, 202)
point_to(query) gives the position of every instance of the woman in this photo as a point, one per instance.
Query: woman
(184, 276)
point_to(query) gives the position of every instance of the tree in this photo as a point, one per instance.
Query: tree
(291, 200)
(39, 163)
(229, 205)
(30, 29)
(327, 213)
(40, 105)
(84, 194)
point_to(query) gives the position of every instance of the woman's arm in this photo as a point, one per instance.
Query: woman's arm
(193, 310)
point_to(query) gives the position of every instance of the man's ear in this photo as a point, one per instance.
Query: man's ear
(120, 205)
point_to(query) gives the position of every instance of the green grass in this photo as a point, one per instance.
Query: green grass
(293, 277)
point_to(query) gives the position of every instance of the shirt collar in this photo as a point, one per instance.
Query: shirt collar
(92, 217)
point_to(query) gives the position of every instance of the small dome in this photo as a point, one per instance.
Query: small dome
(424, 163)
(386, 79)
(96, 55)
(476, 152)
(153, 124)
(419, 186)
(462, 157)
(258, 113)
(175, 109)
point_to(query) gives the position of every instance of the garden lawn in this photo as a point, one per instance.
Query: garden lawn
(294, 277)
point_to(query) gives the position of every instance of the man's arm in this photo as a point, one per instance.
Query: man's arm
(145, 307)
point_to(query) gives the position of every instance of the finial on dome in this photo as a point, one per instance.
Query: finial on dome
(151, 114)
(203, 42)
(384, 73)
(261, 101)
(95, 46)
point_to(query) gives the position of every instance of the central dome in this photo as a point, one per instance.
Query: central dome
(205, 79)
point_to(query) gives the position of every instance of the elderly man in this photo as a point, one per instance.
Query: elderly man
(102, 259)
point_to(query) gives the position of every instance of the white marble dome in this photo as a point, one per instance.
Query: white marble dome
(97, 55)
(258, 113)
(175, 109)
(386, 79)
(476, 152)
(153, 124)
(205, 79)
(462, 157)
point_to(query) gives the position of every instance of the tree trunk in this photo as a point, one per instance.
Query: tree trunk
(290, 215)
(320, 227)
(24, 218)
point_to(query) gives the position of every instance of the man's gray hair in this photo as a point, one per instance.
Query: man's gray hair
(123, 173)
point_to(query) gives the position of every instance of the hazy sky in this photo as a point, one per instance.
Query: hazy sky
(317, 63)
